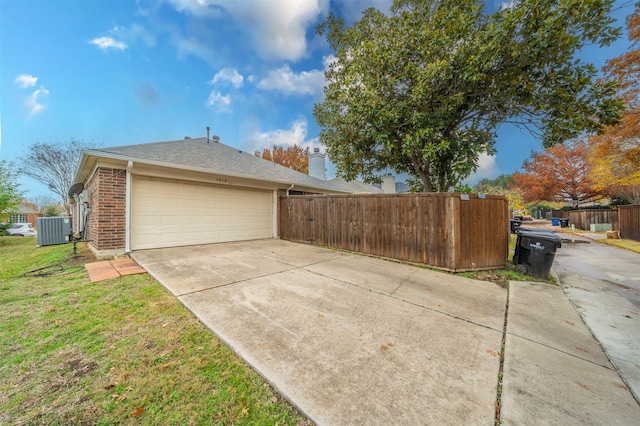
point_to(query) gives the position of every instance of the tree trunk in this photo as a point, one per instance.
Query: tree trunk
(426, 182)
(422, 169)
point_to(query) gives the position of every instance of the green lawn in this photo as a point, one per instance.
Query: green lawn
(122, 351)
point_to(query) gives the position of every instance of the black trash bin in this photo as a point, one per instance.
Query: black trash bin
(514, 224)
(564, 223)
(535, 251)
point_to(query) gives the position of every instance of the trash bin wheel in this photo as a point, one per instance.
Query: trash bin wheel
(521, 268)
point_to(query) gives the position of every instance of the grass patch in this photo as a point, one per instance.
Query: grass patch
(113, 352)
(503, 276)
(625, 244)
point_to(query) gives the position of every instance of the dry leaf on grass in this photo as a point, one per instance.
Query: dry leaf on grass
(137, 412)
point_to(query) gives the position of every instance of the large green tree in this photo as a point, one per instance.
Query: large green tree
(10, 193)
(424, 89)
(494, 186)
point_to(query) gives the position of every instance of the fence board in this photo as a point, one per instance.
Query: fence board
(561, 214)
(438, 230)
(629, 222)
(582, 219)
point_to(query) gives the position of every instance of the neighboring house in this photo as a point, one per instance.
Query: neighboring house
(184, 192)
(390, 186)
(402, 187)
(355, 187)
(24, 214)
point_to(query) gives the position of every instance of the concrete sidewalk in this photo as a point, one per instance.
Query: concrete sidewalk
(554, 371)
(351, 339)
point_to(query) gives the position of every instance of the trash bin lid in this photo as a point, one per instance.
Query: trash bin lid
(539, 234)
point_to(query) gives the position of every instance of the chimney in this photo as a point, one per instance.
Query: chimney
(316, 165)
(389, 184)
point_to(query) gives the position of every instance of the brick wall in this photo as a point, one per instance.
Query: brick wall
(106, 222)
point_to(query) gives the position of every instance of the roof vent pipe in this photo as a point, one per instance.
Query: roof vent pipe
(208, 128)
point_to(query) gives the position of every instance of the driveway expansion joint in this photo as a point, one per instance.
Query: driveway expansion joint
(229, 284)
(503, 348)
(561, 351)
(419, 305)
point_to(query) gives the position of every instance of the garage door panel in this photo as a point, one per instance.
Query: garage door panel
(225, 236)
(169, 237)
(169, 213)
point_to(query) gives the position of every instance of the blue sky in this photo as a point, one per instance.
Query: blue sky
(118, 72)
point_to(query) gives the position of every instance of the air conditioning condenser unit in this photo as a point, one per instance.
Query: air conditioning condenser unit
(54, 230)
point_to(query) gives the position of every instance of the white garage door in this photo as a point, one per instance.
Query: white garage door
(167, 213)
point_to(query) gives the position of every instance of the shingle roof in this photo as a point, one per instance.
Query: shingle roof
(26, 209)
(355, 186)
(217, 158)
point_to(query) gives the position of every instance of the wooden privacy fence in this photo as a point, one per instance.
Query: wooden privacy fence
(561, 214)
(583, 219)
(629, 222)
(450, 231)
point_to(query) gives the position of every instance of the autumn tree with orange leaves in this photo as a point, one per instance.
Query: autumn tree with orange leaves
(560, 173)
(294, 157)
(615, 154)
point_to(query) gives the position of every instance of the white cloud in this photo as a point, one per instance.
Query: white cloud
(106, 43)
(328, 60)
(34, 102)
(219, 102)
(192, 46)
(487, 168)
(295, 135)
(25, 80)
(133, 33)
(285, 80)
(230, 75)
(198, 7)
(278, 27)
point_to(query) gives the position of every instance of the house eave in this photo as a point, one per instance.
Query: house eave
(91, 158)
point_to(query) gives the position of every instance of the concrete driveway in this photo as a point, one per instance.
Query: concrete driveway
(351, 339)
(348, 339)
